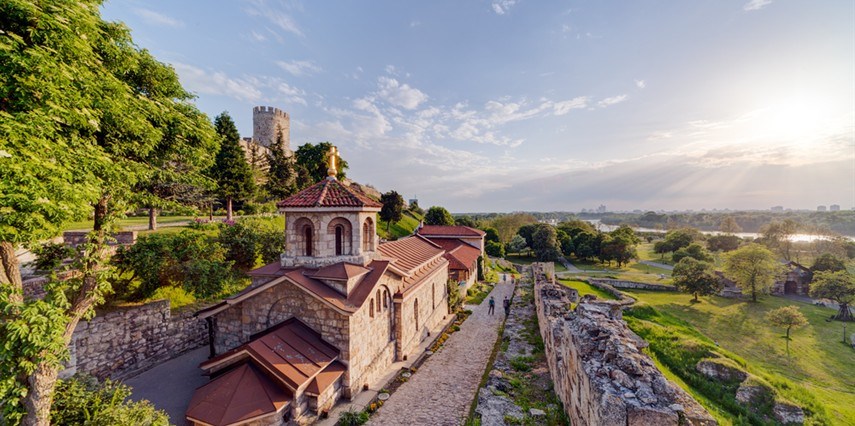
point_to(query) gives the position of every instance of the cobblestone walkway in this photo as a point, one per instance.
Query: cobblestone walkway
(443, 389)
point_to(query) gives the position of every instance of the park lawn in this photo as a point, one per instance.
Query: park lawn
(819, 360)
(645, 252)
(528, 260)
(584, 288)
(129, 221)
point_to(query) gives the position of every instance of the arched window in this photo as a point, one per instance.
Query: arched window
(307, 232)
(368, 235)
(433, 295)
(386, 299)
(416, 313)
(371, 309)
(379, 298)
(342, 230)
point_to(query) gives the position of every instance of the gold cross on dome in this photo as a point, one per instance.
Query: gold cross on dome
(332, 171)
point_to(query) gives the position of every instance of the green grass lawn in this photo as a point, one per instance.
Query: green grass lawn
(819, 361)
(131, 221)
(528, 260)
(584, 288)
(406, 226)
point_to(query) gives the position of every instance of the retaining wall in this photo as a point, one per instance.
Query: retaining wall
(123, 342)
(597, 367)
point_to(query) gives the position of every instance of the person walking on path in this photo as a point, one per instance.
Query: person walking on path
(492, 306)
(507, 305)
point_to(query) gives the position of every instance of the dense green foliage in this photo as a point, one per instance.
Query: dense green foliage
(694, 251)
(190, 259)
(842, 222)
(81, 400)
(723, 242)
(249, 239)
(828, 262)
(281, 172)
(49, 256)
(838, 286)
(494, 249)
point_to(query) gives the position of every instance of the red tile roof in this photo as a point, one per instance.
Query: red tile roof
(237, 396)
(410, 253)
(450, 231)
(290, 352)
(329, 193)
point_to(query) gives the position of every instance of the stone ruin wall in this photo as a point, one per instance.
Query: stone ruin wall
(598, 369)
(128, 340)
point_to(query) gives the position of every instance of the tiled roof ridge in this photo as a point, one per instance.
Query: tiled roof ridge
(324, 190)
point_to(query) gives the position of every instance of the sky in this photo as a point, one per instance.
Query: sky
(524, 105)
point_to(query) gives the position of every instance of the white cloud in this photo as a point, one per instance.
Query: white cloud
(640, 84)
(299, 68)
(390, 69)
(257, 36)
(401, 95)
(503, 6)
(607, 102)
(564, 107)
(277, 12)
(246, 88)
(154, 18)
(756, 5)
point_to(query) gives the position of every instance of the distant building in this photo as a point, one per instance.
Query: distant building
(777, 209)
(269, 124)
(820, 208)
(834, 207)
(601, 209)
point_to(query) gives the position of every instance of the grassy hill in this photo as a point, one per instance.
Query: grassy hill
(819, 373)
(406, 226)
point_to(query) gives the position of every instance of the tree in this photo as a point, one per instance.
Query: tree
(84, 114)
(695, 277)
(723, 242)
(508, 225)
(414, 207)
(828, 262)
(695, 251)
(393, 208)
(281, 172)
(789, 317)
(491, 234)
(313, 164)
(776, 235)
(565, 242)
(838, 286)
(516, 245)
(527, 232)
(545, 243)
(494, 249)
(465, 221)
(676, 239)
(230, 170)
(81, 400)
(729, 226)
(437, 215)
(752, 267)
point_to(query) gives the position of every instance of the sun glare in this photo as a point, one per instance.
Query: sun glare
(800, 121)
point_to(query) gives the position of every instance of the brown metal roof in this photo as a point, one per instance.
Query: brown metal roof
(291, 351)
(237, 396)
(326, 378)
(340, 271)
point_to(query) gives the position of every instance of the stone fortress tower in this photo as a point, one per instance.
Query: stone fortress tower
(266, 122)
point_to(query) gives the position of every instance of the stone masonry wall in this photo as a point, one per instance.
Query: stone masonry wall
(598, 369)
(432, 300)
(266, 121)
(122, 342)
(632, 284)
(372, 333)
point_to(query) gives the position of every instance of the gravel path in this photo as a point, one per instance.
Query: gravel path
(657, 265)
(443, 389)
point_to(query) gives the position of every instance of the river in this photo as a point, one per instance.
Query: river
(751, 235)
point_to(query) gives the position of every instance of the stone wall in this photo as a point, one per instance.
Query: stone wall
(431, 297)
(266, 121)
(372, 331)
(598, 369)
(119, 343)
(632, 284)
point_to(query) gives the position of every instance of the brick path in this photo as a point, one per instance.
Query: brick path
(443, 389)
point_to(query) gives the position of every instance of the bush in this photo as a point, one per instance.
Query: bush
(190, 259)
(177, 296)
(250, 238)
(495, 249)
(352, 418)
(49, 256)
(81, 400)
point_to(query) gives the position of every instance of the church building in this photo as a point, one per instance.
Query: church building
(325, 321)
